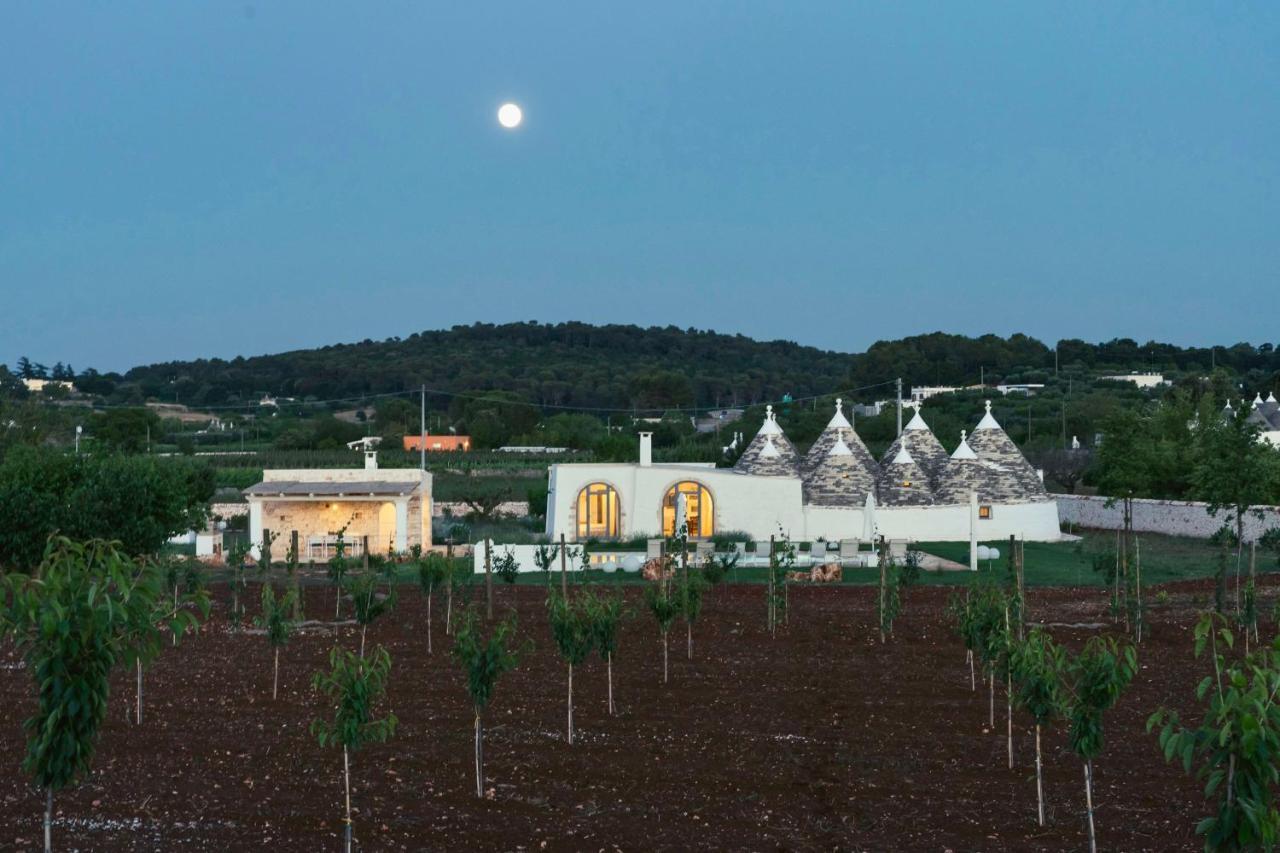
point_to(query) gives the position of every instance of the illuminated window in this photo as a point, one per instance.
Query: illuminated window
(699, 510)
(984, 512)
(598, 511)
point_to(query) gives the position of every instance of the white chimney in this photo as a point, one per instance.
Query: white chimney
(646, 449)
(371, 460)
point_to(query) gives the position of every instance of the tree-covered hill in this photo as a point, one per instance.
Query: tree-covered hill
(566, 364)
(581, 366)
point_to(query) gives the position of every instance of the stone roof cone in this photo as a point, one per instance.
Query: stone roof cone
(841, 478)
(1019, 482)
(770, 453)
(924, 447)
(838, 429)
(902, 482)
(966, 473)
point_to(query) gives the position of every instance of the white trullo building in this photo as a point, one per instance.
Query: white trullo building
(835, 491)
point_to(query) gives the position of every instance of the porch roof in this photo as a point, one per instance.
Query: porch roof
(305, 489)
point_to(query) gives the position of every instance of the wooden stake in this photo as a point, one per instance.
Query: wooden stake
(1088, 800)
(488, 582)
(1039, 779)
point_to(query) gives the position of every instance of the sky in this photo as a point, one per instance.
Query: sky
(186, 180)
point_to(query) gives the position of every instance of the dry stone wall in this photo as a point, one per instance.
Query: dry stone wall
(1174, 518)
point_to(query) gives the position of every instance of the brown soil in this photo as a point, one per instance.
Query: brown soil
(820, 739)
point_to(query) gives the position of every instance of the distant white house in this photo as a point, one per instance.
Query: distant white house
(387, 508)
(837, 490)
(37, 386)
(1142, 380)
(1027, 388)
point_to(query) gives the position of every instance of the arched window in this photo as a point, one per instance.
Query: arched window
(598, 511)
(699, 510)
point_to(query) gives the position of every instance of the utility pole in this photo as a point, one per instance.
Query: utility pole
(899, 385)
(422, 421)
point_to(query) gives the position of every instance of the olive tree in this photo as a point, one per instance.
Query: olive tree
(355, 685)
(484, 659)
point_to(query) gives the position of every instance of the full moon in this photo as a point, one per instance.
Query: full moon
(510, 116)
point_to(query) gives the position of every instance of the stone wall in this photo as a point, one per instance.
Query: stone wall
(1174, 518)
(458, 509)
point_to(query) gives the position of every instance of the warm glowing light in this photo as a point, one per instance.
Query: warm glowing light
(510, 116)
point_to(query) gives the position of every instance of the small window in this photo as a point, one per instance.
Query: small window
(984, 512)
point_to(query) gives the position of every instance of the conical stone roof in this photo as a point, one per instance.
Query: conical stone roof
(924, 447)
(903, 483)
(770, 453)
(992, 444)
(966, 472)
(841, 478)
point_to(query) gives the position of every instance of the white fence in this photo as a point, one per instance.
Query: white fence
(525, 556)
(1173, 518)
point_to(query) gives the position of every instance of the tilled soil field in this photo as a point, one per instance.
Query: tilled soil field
(818, 739)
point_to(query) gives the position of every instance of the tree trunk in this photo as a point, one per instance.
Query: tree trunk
(1239, 554)
(664, 657)
(689, 638)
(608, 659)
(428, 623)
(138, 698)
(1088, 801)
(275, 681)
(363, 630)
(973, 676)
(337, 601)
(1039, 780)
(564, 580)
(448, 609)
(571, 704)
(346, 781)
(991, 710)
(1008, 695)
(479, 756)
(48, 820)
(488, 583)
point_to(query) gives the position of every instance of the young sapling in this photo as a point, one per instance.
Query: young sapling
(431, 573)
(277, 623)
(1093, 682)
(571, 626)
(484, 659)
(355, 686)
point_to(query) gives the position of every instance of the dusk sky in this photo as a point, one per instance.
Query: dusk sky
(185, 180)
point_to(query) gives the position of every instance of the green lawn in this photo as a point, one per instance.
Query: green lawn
(1164, 558)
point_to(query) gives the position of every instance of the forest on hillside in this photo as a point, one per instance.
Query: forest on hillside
(628, 368)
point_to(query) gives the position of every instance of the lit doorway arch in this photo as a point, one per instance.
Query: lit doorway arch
(699, 508)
